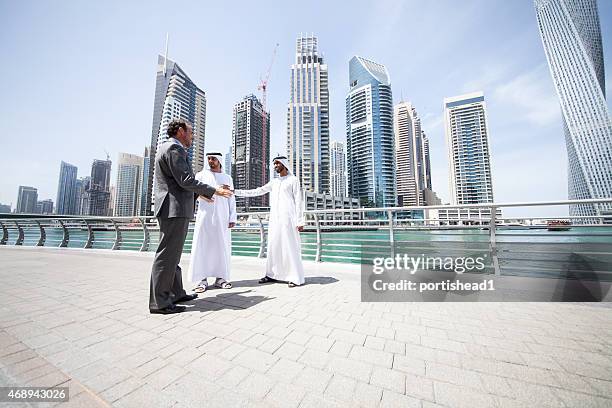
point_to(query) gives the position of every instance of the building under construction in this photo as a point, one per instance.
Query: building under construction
(250, 150)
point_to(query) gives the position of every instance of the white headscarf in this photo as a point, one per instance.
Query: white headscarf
(219, 157)
(284, 161)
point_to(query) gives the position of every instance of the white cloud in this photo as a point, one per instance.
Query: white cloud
(530, 95)
(491, 75)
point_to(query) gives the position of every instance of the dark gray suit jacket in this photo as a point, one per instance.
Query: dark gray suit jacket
(175, 183)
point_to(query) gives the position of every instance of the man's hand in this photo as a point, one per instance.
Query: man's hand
(224, 191)
(300, 228)
(231, 225)
(208, 200)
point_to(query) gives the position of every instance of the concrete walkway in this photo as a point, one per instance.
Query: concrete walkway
(79, 318)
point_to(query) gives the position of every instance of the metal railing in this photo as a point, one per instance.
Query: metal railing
(357, 235)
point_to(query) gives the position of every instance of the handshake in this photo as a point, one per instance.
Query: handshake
(223, 191)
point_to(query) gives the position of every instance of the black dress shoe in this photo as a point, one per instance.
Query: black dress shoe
(168, 310)
(186, 298)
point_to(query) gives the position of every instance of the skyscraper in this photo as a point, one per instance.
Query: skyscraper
(228, 162)
(128, 188)
(571, 36)
(82, 185)
(308, 117)
(97, 196)
(413, 172)
(144, 176)
(251, 148)
(369, 134)
(44, 207)
(338, 169)
(467, 140)
(176, 97)
(27, 198)
(66, 189)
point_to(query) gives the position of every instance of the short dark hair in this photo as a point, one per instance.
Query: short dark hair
(174, 126)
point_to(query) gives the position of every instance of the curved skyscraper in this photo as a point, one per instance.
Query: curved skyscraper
(572, 42)
(369, 134)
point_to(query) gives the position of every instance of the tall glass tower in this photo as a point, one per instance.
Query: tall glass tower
(308, 117)
(369, 134)
(176, 97)
(572, 42)
(67, 190)
(338, 172)
(469, 153)
(128, 189)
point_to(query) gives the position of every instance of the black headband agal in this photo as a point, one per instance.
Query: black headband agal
(279, 158)
(214, 154)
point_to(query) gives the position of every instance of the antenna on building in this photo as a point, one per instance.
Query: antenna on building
(166, 56)
(107, 155)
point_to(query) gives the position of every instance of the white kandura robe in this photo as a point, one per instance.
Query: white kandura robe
(211, 249)
(284, 261)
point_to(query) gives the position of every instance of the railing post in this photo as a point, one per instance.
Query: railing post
(90, 235)
(43, 235)
(21, 234)
(262, 238)
(145, 238)
(391, 232)
(319, 241)
(4, 234)
(117, 243)
(493, 243)
(66, 236)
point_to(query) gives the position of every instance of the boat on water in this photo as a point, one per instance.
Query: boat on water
(559, 225)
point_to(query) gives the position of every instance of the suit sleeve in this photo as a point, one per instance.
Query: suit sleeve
(183, 175)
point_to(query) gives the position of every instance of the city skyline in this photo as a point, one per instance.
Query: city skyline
(511, 69)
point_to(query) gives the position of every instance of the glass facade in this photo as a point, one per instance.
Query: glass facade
(338, 170)
(67, 190)
(128, 189)
(176, 97)
(467, 140)
(571, 37)
(369, 134)
(308, 118)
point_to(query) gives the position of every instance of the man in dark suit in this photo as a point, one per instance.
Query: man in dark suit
(175, 190)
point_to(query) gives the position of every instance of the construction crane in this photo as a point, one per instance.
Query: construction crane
(263, 82)
(263, 87)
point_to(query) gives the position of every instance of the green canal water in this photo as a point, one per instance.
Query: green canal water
(535, 251)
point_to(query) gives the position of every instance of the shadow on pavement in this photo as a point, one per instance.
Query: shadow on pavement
(226, 300)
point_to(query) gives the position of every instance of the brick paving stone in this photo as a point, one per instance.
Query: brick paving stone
(321, 339)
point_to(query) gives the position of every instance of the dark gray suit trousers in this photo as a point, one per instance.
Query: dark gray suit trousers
(166, 279)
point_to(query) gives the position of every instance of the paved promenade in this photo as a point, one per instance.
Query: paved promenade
(79, 318)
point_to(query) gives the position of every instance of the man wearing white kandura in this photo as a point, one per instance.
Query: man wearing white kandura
(211, 250)
(284, 261)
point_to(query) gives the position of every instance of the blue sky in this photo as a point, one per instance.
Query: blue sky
(79, 77)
